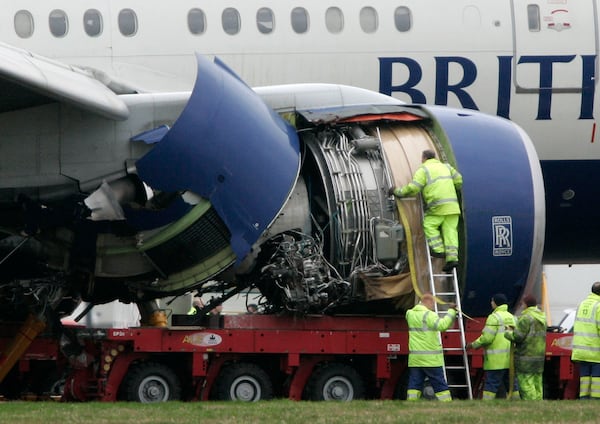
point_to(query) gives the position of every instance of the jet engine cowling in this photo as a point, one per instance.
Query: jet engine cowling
(344, 241)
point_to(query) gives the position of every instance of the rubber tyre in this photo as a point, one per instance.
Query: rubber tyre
(244, 382)
(401, 386)
(151, 382)
(335, 381)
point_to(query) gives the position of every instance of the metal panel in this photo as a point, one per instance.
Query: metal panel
(230, 148)
(555, 45)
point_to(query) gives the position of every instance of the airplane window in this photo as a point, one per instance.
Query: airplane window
(300, 20)
(231, 21)
(23, 24)
(402, 18)
(334, 20)
(92, 22)
(59, 23)
(196, 21)
(265, 20)
(368, 19)
(128, 23)
(533, 17)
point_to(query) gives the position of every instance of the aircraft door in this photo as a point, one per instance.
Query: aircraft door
(555, 45)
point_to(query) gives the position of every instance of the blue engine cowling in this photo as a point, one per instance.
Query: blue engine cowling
(503, 205)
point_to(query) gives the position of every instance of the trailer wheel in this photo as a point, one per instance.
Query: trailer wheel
(335, 381)
(151, 382)
(401, 386)
(244, 382)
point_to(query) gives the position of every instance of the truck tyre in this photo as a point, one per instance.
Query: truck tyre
(335, 381)
(151, 382)
(401, 386)
(244, 382)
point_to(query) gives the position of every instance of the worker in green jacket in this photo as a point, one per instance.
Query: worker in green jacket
(529, 336)
(586, 344)
(438, 183)
(425, 354)
(496, 357)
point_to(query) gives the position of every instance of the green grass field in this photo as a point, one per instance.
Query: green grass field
(285, 411)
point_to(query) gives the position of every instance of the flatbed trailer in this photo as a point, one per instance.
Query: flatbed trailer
(252, 357)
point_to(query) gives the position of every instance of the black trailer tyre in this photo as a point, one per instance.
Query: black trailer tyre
(244, 382)
(335, 381)
(151, 382)
(57, 387)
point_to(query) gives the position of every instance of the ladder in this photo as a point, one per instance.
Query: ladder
(460, 370)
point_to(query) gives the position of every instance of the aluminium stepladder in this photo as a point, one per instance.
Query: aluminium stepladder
(460, 369)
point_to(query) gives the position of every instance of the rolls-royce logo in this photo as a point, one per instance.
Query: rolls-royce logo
(502, 232)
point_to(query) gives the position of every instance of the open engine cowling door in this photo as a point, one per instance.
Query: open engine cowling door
(229, 147)
(503, 206)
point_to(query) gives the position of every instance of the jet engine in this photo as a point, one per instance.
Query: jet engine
(312, 225)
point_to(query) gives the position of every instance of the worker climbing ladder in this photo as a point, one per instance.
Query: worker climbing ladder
(444, 287)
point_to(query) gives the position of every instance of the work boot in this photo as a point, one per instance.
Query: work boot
(450, 266)
(437, 254)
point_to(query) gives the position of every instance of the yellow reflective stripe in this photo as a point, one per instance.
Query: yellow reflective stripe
(588, 320)
(584, 385)
(495, 351)
(425, 352)
(588, 348)
(436, 244)
(427, 174)
(444, 396)
(531, 358)
(488, 395)
(441, 201)
(412, 394)
(593, 335)
(442, 177)
(500, 321)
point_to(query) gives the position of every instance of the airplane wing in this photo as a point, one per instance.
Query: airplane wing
(28, 80)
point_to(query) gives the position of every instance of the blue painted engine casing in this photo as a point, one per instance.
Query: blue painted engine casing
(229, 147)
(503, 206)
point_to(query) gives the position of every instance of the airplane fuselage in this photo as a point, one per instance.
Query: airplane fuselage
(534, 63)
(480, 56)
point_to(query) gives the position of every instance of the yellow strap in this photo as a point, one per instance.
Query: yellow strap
(511, 371)
(468, 317)
(411, 255)
(409, 245)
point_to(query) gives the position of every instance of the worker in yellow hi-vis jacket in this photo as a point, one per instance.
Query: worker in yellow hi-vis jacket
(438, 183)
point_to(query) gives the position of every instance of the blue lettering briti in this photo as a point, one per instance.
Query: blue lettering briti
(545, 90)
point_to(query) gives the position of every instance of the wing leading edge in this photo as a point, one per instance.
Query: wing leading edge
(28, 80)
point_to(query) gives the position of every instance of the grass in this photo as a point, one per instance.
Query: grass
(290, 412)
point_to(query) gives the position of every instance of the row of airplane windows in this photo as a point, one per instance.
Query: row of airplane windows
(231, 21)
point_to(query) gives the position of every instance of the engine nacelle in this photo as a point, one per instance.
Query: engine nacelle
(328, 190)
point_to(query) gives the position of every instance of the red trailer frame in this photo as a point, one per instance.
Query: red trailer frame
(290, 351)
